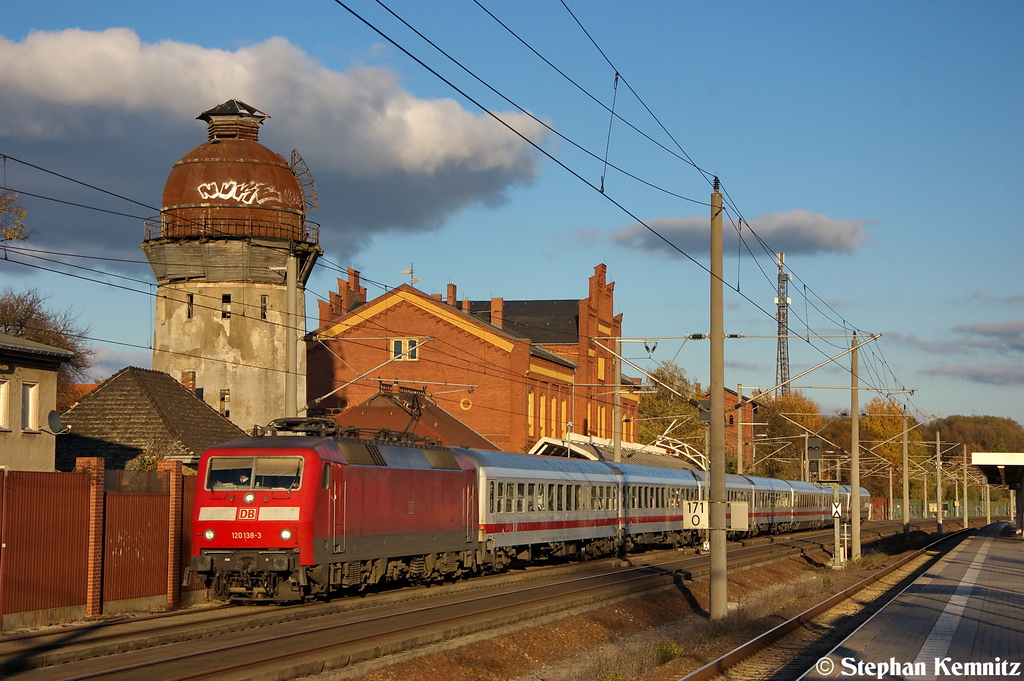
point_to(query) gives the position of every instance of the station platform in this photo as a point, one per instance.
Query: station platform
(962, 619)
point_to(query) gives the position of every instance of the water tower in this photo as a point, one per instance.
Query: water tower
(231, 252)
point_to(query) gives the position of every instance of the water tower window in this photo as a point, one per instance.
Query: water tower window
(190, 305)
(225, 402)
(264, 302)
(225, 306)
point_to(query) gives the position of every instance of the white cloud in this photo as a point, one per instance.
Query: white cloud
(107, 362)
(382, 158)
(792, 232)
(1001, 336)
(986, 374)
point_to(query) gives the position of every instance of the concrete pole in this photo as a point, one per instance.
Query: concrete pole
(938, 483)
(716, 516)
(924, 493)
(906, 477)
(617, 404)
(291, 355)
(739, 430)
(892, 501)
(805, 464)
(988, 504)
(967, 516)
(854, 453)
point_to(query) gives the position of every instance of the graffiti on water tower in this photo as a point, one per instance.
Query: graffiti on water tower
(243, 192)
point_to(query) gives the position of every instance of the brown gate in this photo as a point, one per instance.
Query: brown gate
(135, 535)
(44, 523)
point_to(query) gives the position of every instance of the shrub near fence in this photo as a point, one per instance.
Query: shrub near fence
(91, 542)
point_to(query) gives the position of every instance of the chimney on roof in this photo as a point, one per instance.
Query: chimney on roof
(452, 298)
(465, 305)
(497, 312)
(233, 119)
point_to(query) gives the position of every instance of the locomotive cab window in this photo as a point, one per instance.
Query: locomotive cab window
(261, 473)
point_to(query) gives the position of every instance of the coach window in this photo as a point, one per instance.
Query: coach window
(551, 496)
(520, 497)
(531, 497)
(490, 496)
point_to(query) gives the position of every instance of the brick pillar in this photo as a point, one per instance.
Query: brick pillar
(498, 312)
(173, 470)
(95, 467)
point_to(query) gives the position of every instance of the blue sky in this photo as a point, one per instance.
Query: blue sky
(879, 145)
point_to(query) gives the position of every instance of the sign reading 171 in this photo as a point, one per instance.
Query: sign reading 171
(695, 515)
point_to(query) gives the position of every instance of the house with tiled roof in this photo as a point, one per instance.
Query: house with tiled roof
(141, 413)
(397, 412)
(28, 393)
(513, 371)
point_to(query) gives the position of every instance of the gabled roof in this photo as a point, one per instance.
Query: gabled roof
(416, 414)
(139, 411)
(407, 294)
(542, 321)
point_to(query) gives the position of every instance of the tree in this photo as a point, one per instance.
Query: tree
(658, 410)
(12, 218)
(25, 315)
(979, 433)
(788, 418)
(881, 429)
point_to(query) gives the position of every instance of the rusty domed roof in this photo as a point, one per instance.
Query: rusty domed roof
(233, 186)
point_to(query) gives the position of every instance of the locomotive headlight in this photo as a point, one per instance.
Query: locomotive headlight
(286, 534)
(249, 497)
(209, 535)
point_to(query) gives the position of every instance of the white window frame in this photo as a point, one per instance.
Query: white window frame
(405, 349)
(5, 405)
(29, 407)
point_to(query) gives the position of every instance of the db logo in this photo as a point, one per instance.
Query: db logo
(247, 514)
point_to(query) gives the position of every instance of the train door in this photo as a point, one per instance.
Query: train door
(469, 505)
(337, 500)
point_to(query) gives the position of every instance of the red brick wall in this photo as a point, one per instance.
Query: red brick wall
(494, 396)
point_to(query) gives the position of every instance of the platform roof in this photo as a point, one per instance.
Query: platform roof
(1000, 468)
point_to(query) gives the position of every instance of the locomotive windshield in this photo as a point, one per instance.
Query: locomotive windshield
(259, 472)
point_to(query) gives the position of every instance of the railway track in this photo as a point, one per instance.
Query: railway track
(347, 630)
(791, 649)
(302, 639)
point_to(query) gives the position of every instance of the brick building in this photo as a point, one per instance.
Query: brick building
(513, 371)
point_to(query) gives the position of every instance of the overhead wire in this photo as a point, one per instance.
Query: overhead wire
(618, 204)
(738, 223)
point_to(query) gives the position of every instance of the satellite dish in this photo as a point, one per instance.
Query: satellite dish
(53, 420)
